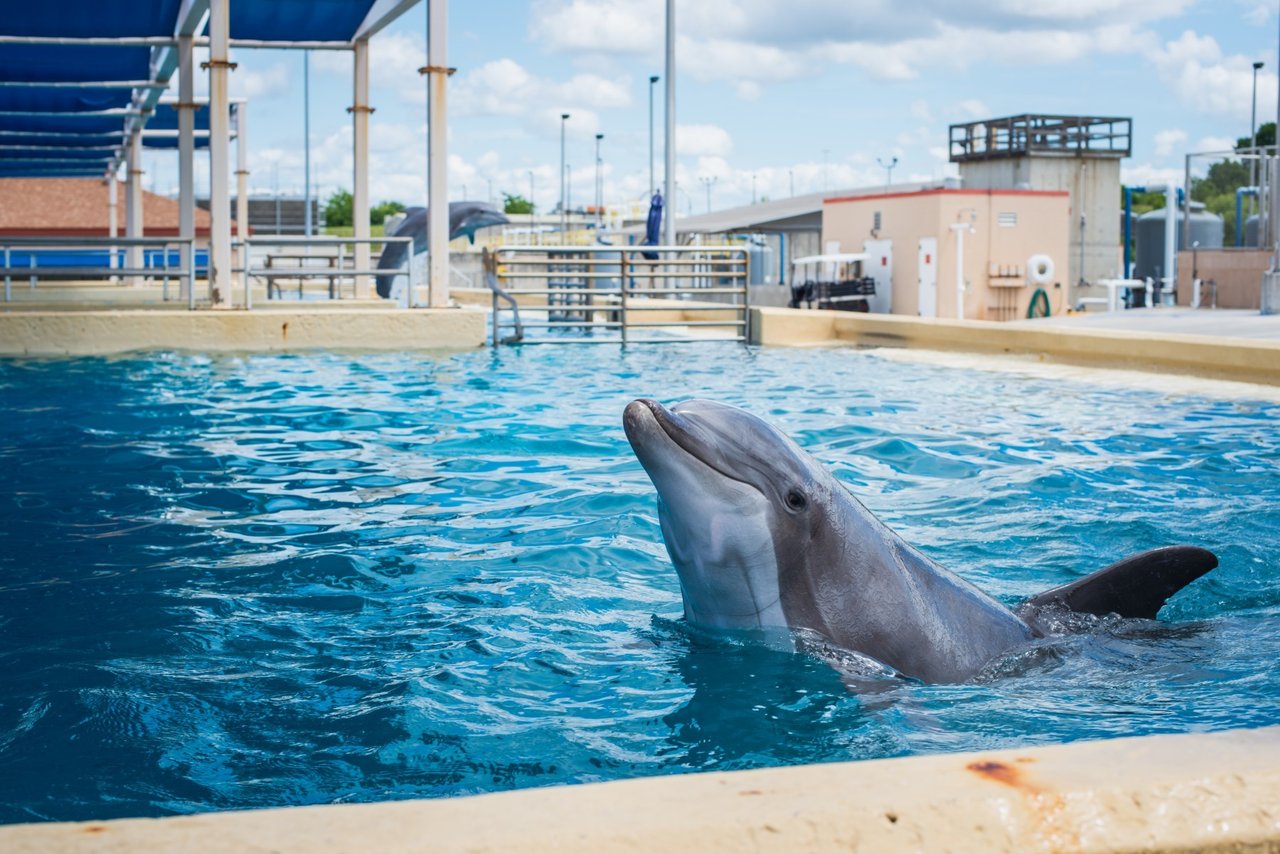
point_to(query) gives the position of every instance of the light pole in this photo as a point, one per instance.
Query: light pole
(599, 181)
(791, 179)
(753, 188)
(669, 137)
(306, 141)
(653, 184)
(532, 208)
(564, 211)
(1253, 128)
(888, 169)
(707, 181)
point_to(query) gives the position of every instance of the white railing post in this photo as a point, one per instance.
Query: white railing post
(360, 110)
(219, 154)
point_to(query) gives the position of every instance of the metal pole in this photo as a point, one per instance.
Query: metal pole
(1253, 127)
(242, 197)
(959, 228)
(437, 153)
(669, 142)
(219, 155)
(186, 155)
(564, 211)
(599, 183)
(531, 205)
(113, 227)
(133, 203)
(360, 110)
(1186, 207)
(306, 142)
(653, 186)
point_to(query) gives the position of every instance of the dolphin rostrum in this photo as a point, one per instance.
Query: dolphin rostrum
(465, 218)
(764, 537)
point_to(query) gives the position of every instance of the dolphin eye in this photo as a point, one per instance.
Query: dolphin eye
(796, 500)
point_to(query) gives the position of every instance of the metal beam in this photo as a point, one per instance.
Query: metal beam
(669, 210)
(172, 41)
(79, 84)
(133, 203)
(242, 197)
(381, 14)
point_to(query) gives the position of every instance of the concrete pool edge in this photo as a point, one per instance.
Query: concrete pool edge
(1247, 360)
(103, 332)
(1206, 792)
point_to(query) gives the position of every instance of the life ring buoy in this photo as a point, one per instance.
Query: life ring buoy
(1040, 269)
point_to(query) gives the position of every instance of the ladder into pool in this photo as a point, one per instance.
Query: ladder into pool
(618, 294)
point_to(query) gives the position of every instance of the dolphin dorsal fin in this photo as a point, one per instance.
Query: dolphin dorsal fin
(1135, 587)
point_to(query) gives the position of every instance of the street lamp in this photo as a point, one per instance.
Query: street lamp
(532, 208)
(1253, 128)
(564, 211)
(888, 169)
(753, 188)
(599, 181)
(707, 181)
(653, 187)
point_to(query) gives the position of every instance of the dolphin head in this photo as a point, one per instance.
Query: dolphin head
(734, 494)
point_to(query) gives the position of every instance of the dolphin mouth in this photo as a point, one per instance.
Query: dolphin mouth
(677, 429)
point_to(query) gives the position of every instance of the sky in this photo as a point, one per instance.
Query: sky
(772, 98)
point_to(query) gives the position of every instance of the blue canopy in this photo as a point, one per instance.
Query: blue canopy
(59, 130)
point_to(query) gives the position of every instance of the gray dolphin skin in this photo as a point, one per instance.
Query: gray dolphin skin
(764, 537)
(465, 218)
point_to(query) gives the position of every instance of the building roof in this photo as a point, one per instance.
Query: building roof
(797, 213)
(78, 207)
(947, 191)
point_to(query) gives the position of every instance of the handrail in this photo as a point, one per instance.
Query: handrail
(112, 245)
(593, 288)
(247, 269)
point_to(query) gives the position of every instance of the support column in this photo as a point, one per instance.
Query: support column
(360, 111)
(113, 220)
(219, 155)
(186, 155)
(669, 225)
(437, 71)
(133, 203)
(242, 197)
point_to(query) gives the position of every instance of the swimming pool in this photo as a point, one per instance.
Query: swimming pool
(271, 580)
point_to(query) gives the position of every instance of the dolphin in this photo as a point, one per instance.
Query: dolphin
(465, 219)
(763, 537)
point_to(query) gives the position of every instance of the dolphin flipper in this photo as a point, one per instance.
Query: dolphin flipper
(1135, 587)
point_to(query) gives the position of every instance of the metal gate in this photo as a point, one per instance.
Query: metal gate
(618, 294)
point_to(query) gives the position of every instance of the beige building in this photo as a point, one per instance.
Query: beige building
(1013, 243)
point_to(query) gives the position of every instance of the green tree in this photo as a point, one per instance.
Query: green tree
(381, 211)
(1266, 136)
(337, 210)
(1217, 190)
(514, 203)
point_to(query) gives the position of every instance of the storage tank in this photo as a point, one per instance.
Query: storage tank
(1251, 231)
(1206, 229)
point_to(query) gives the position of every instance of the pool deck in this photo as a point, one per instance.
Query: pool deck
(1161, 340)
(1214, 792)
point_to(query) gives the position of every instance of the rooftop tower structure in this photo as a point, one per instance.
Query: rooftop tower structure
(1078, 154)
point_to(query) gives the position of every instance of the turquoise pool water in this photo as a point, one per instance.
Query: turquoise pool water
(271, 580)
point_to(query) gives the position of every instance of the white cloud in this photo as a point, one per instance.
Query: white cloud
(1147, 175)
(1204, 79)
(702, 140)
(503, 87)
(1167, 141)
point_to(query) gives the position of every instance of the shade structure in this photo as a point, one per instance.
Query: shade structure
(76, 76)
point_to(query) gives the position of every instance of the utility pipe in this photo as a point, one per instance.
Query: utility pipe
(1241, 192)
(133, 202)
(959, 228)
(113, 227)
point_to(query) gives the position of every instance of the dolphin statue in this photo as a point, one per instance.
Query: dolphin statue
(764, 537)
(465, 219)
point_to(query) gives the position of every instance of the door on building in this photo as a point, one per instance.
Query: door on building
(928, 277)
(879, 266)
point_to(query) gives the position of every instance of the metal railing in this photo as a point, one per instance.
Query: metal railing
(297, 267)
(608, 294)
(126, 261)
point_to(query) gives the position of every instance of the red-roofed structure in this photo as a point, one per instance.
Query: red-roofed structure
(77, 207)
